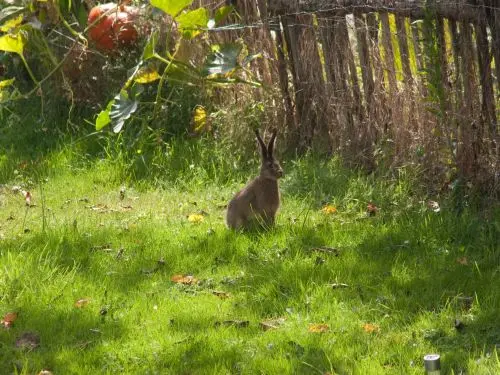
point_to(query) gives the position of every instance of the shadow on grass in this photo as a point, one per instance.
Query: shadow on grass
(60, 332)
(410, 269)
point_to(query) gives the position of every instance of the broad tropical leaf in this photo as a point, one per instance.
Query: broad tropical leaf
(147, 75)
(122, 108)
(103, 118)
(199, 119)
(6, 83)
(12, 43)
(191, 23)
(182, 73)
(223, 60)
(171, 7)
(12, 23)
(149, 49)
(248, 59)
(222, 13)
(10, 12)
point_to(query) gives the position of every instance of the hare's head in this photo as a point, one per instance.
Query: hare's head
(270, 167)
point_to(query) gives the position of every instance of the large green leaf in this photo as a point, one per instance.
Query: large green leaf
(222, 12)
(103, 118)
(122, 108)
(12, 23)
(147, 74)
(249, 58)
(191, 23)
(149, 49)
(12, 43)
(222, 60)
(10, 12)
(182, 73)
(6, 83)
(171, 7)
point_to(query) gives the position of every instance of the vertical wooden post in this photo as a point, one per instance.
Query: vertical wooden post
(443, 63)
(455, 42)
(403, 48)
(388, 53)
(372, 23)
(308, 78)
(468, 152)
(283, 77)
(493, 17)
(364, 58)
(346, 54)
(327, 35)
(337, 113)
(484, 58)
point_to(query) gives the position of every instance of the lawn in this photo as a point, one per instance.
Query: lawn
(112, 275)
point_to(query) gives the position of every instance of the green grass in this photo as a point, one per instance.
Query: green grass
(401, 267)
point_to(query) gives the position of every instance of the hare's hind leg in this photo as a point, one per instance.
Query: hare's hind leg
(234, 220)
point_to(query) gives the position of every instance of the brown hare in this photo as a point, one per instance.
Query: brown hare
(259, 201)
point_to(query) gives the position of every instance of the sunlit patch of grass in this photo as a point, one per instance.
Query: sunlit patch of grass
(388, 286)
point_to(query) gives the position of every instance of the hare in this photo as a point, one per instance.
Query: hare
(260, 199)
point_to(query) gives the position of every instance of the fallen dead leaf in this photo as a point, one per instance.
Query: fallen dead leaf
(371, 209)
(184, 279)
(101, 208)
(329, 209)
(339, 285)
(82, 302)
(123, 189)
(45, 372)
(433, 205)
(371, 328)
(465, 302)
(27, 198)
(28, 341)
(318, 328)
(195, 218)
(267, 325)
(105, 247)
(326, 250)
(233, 323)
(8, 319)
(463, 261)
(221, 294)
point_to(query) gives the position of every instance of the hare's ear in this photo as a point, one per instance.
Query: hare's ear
(270, 146)
(262, 145)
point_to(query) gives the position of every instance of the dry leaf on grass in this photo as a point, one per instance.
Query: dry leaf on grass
(99, 207)
(195, 218)
(433, 205)
(371, 328)
(82, 302)
(28, 340)
(105, 247)
(233, 323)
(463, 261)
(221, 294)
(8, 319)
(267, 325)
(339, 285)
(184, 279)
(45, 372)
(371, 209)
(27, 198)
(329, 209)
(326, 250)
(318, 328)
